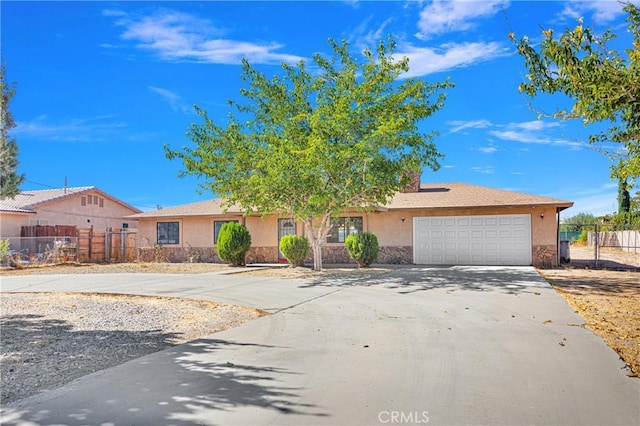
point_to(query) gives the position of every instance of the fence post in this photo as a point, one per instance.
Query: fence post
(107, 249)
(123, 245)
(597, 243)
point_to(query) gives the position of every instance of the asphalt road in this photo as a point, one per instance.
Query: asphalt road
(455, 345)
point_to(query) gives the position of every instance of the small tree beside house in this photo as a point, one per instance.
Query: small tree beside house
(313, 144)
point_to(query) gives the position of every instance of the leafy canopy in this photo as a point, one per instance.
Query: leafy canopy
(603, 83)
(310, 142)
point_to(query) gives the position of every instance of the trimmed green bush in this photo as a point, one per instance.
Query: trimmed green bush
(234, 242)
(295, 248)
(363, 248)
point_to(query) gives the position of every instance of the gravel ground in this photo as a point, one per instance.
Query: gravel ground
(50, 339)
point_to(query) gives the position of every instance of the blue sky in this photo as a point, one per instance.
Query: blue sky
(102, 86)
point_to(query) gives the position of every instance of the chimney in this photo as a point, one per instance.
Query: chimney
(414, 184)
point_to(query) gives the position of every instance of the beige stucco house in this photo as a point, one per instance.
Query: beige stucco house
(449, 223)
(82, 207)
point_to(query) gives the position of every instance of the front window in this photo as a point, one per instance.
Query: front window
(168, 232)
(216, 228)
(343, 227)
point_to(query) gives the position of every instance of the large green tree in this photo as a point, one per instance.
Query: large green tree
(603, 83)
(312, 144)
(10, 180)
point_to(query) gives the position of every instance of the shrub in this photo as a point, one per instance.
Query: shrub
(4, 252)
(363, 248)
(295, 248)
(234, 241)
(582, 238)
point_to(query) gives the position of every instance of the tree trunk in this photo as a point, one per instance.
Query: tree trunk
(316, 236)
(317, 256)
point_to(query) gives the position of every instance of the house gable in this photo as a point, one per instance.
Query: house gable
(80, 206)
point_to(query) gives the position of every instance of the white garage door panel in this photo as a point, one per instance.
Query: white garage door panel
(472, 240)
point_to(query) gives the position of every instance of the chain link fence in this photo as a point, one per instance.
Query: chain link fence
(611, 246)
(112, 246)
(23, 251)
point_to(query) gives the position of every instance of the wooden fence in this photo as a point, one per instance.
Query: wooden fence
(48, 231)
(82, 245)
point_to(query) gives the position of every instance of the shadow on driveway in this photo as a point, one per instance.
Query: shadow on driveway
(186, 385)
(411, 279)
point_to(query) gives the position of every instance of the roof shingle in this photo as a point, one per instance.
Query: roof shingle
(459, 195)
(431, 196)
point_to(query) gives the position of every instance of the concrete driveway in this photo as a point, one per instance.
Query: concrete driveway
(456, 345)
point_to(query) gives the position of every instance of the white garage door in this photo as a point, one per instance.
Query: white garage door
(472, 240)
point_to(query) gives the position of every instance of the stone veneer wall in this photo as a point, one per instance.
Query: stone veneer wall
(203, 254)
(179, 254)
(334, 254)
(262, 255)
(396, 255)
(545, 256)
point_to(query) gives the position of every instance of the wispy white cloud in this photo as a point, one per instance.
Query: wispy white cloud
(597, 200)
(489, 149)
(363, 37)
(535, 132)
(92, 129)
(601, 12)
(428, 60)
(459, 125)
(175, 101)
(353, 3)
(489, 170)
(442, 16)
(177, 36)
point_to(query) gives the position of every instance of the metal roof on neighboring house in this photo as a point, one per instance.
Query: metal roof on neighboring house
(430, 196)
(28, 201)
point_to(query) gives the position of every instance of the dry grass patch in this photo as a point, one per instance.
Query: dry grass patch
(114, 268)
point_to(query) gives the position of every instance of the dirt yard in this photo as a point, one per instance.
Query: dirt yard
(609, 303)
(608, 257)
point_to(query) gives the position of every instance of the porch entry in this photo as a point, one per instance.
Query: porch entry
(286, 226)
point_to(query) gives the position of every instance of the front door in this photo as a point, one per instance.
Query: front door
(285, 227)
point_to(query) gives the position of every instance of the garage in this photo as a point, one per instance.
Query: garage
(472, 240)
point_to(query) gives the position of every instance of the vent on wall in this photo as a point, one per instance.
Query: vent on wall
(92, 199)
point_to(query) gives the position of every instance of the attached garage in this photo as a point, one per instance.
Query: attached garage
(472, 240)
